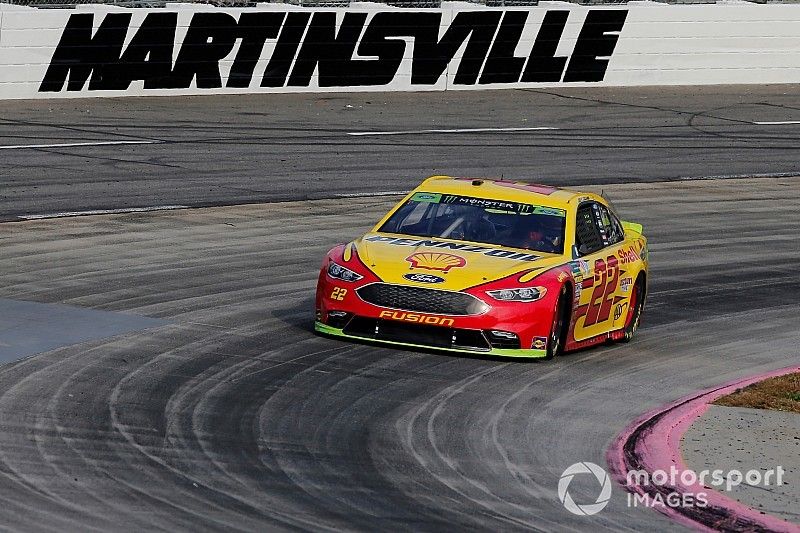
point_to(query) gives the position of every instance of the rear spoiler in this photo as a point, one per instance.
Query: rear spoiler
(627, 226)
(632, 226)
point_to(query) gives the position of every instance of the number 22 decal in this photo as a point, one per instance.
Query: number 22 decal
(606, 278)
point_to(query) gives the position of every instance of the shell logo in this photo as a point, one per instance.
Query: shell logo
(435, 261)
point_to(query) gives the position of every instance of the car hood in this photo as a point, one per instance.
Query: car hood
(444, 263)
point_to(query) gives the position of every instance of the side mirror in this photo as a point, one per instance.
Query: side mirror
(579, 251)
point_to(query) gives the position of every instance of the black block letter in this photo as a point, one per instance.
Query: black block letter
(594, 41)
(79, 54)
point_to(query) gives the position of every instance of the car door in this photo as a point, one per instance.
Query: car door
(599, 237)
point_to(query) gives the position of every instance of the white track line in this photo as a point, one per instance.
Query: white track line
(63, 214)
(461, 130)
(71, 145)
(774, 175)
(777, 122)
(369, 194)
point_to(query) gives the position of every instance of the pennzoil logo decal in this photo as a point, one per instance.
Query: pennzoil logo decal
(458, 246)
(424, 278)
(435, 261)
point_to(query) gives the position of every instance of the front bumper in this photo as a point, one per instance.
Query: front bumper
(504, 329)
(364, 336)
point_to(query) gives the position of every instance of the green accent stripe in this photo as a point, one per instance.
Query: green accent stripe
(500, 352)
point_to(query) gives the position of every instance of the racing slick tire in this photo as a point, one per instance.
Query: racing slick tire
(558, 330)
(634, 310)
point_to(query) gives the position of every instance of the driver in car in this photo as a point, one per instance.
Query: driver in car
(470, 224)
(536, 235)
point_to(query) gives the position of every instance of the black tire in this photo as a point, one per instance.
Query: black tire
(558, 330)
(635, 311)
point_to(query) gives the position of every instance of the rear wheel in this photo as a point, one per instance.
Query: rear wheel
(558, 329)
(635, 307)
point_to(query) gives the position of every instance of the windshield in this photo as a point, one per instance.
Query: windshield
(498, 222)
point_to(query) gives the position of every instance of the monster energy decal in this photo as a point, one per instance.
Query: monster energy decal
(502, 206)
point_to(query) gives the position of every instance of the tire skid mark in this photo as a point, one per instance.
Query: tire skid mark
(442, 467)
(313, 458)
(204, 402)
(172, 437)
(20, 478)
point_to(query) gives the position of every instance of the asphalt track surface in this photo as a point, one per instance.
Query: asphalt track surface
(231, 150)
(234, 415)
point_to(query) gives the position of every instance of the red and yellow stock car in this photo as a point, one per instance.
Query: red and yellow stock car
(488, 266)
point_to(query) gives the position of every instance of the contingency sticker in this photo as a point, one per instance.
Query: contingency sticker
(433, 198)
(552, 211)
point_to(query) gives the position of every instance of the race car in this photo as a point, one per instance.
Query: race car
(495, 267)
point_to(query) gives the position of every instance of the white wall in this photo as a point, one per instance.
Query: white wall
(657, 45)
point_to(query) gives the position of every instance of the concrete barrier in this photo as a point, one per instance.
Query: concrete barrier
(199, 49)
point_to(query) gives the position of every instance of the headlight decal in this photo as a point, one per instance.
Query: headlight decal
(518, 294)
(337, 271)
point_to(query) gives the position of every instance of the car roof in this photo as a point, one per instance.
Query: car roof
(501, 189)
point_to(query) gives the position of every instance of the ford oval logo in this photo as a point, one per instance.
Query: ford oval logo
(424, 278)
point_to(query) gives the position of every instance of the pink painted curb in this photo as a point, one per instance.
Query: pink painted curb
(652, 442)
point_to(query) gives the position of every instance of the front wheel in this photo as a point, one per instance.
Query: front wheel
(634, 311)
(558, 330)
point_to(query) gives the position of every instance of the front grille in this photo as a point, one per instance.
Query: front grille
(421, 300)
(422, 335)
(427, 335)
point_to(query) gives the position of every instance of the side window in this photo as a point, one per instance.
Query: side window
(617, 231)
(605, 226)
(587, 236)
(596, 228)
